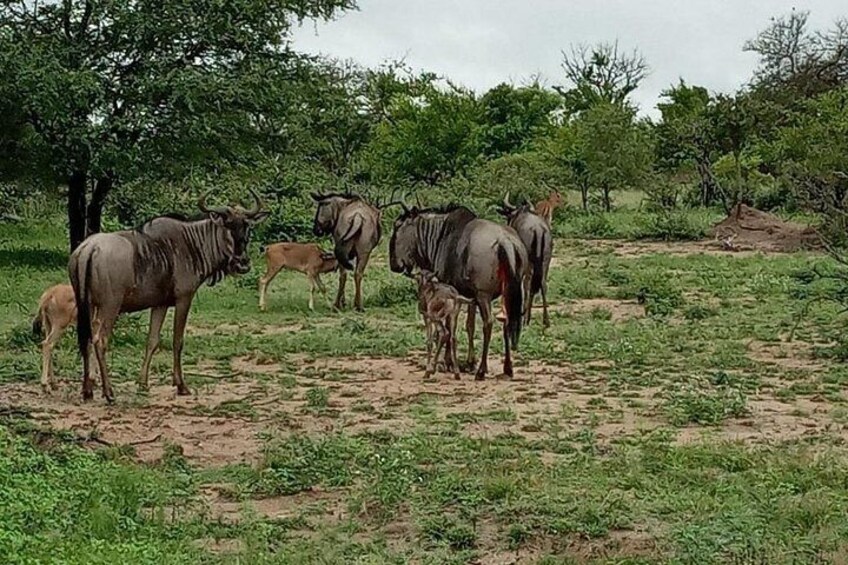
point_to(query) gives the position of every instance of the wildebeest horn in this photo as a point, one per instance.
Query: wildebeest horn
(257, 204)
(214, 209)
(506, 202)
(316, 197)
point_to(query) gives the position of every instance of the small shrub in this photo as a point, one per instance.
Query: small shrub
(703, 403)
(318, 398)
(659, 295)
(444, 529)
(699, 312)
(669, 226)
(597, 225)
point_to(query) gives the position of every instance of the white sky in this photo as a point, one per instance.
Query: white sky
(481, 43)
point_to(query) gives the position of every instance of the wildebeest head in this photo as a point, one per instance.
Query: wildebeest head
(327, 214)
(237, 222)
(510, 211)
(403, 247)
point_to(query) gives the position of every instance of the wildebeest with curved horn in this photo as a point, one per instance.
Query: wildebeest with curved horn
(156, 266)
(536, 235)
(481, 259)
(355, 227)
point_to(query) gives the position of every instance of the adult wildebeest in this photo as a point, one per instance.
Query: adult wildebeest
(481, 259)
(156, 266)
(535, 233)
(355, 227)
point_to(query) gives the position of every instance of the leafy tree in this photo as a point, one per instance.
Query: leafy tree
(600, 74)
(428, 138)
(110, 89)
(615, 149)
(686, 136)
(513, 117)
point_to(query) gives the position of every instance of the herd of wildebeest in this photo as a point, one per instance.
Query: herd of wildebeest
(458, 259)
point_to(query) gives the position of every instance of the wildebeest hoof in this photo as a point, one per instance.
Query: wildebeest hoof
(480, 376)
(109, 397)
(456, 376)
(183, 391)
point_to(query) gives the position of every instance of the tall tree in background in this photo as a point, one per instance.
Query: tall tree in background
(107, 89)
(600, 74)
(514, 116)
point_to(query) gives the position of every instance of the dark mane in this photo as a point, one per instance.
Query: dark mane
(443, 209)
(171, 216)
(348, 196)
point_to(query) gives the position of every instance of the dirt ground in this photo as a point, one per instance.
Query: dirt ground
(221, 423)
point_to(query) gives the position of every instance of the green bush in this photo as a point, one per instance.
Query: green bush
(658, 293)
(669, 226)
(703, 403)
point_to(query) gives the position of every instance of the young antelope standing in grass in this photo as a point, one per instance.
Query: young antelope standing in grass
(57, 309)
(439, 304)
(307, 258)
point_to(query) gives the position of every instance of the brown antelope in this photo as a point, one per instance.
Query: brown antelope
(307, 258)
(57, 309)
(546, 207)
(440, 304)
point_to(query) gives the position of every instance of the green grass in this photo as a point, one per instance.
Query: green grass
(551, 483)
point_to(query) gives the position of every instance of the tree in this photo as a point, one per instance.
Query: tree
(795, 62)
(514, 116)
(600, 74)
(615, 151)
(108, 89)
(428, 138)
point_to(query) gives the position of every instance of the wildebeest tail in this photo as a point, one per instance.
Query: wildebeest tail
(512, 293)
(80, 274)
(343, 256)
(537, 257)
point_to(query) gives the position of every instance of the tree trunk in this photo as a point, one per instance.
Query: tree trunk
(584, 194)
(95, 206)
(76, 208)
(607, 200)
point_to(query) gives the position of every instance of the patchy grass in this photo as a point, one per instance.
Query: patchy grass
(593, 452)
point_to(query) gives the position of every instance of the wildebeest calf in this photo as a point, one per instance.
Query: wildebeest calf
(57, 309)
(307, 258)
(440, 305)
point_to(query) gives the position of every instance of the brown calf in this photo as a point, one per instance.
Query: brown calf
(57, 309)
(307, 258)
(440, 305)
(546, 207)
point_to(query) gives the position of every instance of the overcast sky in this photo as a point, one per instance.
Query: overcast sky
(481, 43)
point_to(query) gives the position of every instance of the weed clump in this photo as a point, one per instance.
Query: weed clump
(703, 402)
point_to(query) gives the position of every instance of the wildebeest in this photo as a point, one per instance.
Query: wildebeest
(355, 227)
(535, 233)
(307, 258)
(545, 208)
(439, 304)
(57, 309)
(481, 259)
(156, 266)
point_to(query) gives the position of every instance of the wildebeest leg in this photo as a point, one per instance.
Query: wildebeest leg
(470, 361)
(266, 279)
(321, 287)
(106, 321)
(358, 274)
(54, 333)
(546, 321)
(180, 317)
(440, 333)
(488, 324)
(340, 296)
(157, 317)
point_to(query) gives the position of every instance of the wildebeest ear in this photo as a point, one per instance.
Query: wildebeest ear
(259, 217)
(217, 217)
